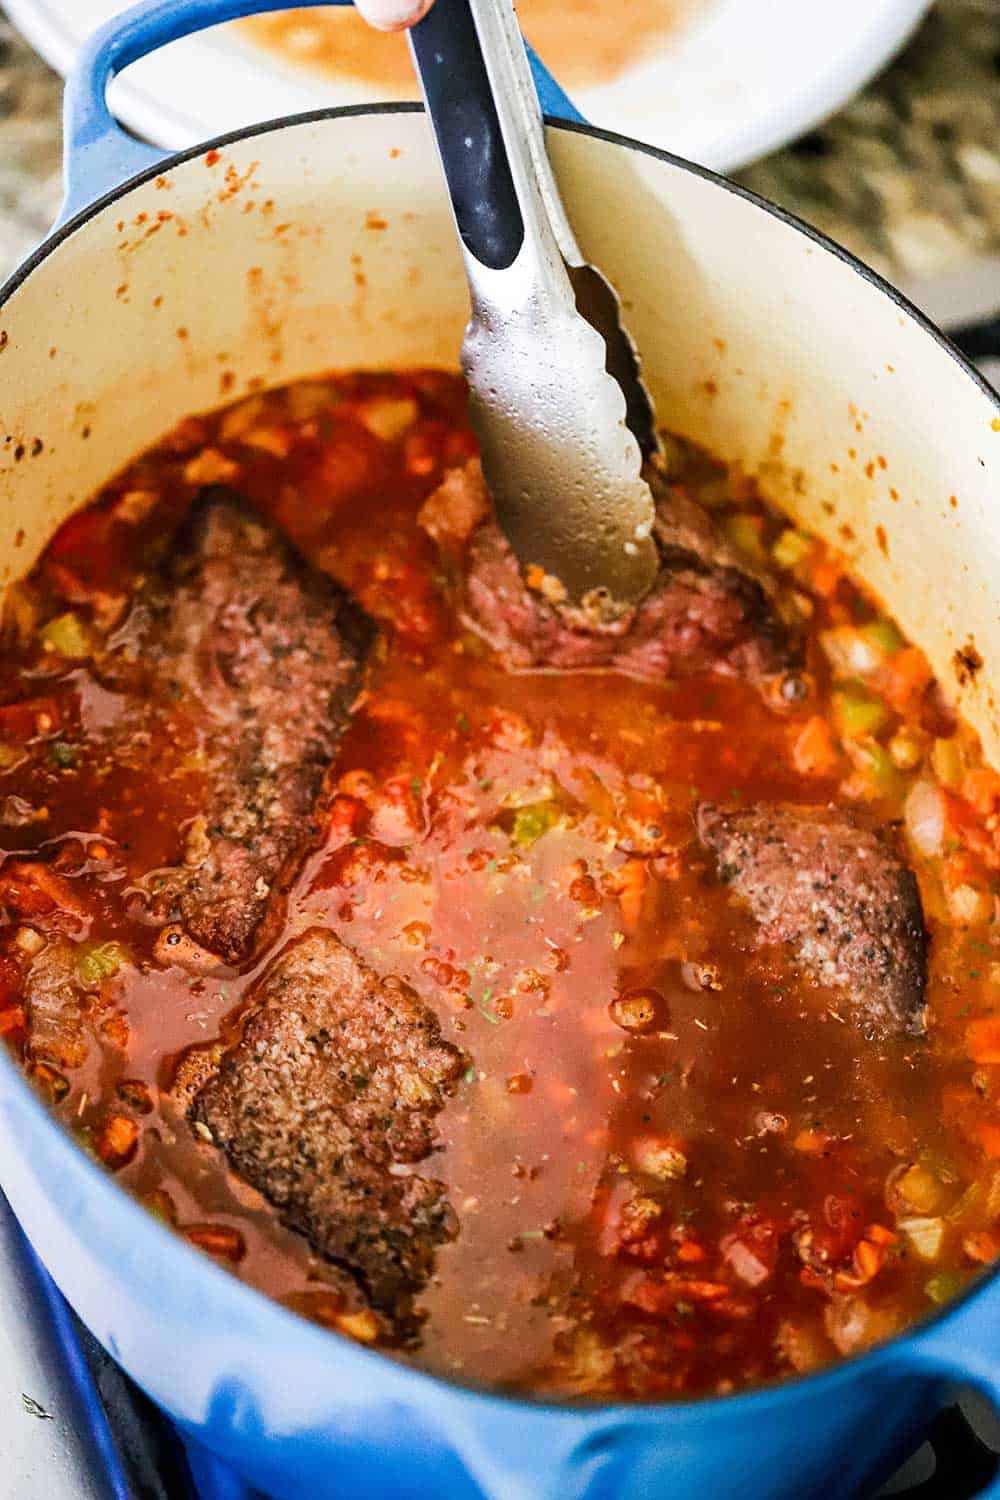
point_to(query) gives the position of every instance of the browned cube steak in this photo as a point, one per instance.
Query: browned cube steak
(707, 609)
(265, 654)
(839, 894)
(329, 1096)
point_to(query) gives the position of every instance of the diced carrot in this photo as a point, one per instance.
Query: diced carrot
(346, 817)
(981, 789)
(967, 825)
(814, 752)
(701, 1291)
(870, 1254)
(31, 717)
(690, 1252)
(981, 1246)
(869, 1258)
(812, 1142)
(115, 1029)
(982, 1039)
(361, 1325)
(905, 678)
(83, 540)
(116, 1140)
(825, 576)
(32, 889)
(217, 1239)
(630, 882)
(988, 1137)
(657, 1297)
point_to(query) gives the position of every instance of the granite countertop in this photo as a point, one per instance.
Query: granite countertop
(907, 175)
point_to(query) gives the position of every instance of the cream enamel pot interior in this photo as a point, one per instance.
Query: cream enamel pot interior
(325, 242)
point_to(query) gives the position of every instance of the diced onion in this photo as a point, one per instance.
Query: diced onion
(746, 1265)
(925, 817)
(659, 1158)
(924, 1234)
(850, 652)
(969, 904)
(913, 1189)
(29, 940)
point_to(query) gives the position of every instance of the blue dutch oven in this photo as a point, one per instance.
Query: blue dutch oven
(325, 241)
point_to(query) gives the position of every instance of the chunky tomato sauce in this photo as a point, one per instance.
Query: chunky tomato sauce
(675, 1165)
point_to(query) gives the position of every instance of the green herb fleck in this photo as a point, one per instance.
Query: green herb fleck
(63, 755)
(487, 1015)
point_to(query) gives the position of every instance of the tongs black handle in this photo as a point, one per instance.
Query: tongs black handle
(459, 100)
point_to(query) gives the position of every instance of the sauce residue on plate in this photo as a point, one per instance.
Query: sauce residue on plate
(586, 42)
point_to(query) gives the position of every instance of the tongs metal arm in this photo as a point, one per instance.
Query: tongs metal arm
(559, 457)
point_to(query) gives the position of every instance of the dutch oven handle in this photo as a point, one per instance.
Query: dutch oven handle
(98, 155)
(959, 1348)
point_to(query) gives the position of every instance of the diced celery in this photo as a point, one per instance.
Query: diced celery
(965, 1205)
(920, 1189)
(531, 822)
(944, 1286)
(744, 534)
(791, 548)
(858, 712)
(99, 961)
(884, 635)
(946, 760)
(67, 635)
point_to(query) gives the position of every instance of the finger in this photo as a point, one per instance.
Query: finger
(393, 15)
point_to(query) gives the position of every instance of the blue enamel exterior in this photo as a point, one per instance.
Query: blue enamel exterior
(98, 155)
(296, 1411)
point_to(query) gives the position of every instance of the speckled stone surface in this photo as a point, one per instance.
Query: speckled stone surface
(30, 144)
(907, 176)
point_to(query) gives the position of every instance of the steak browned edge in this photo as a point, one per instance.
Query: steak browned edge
(839, 894)
(264, 654)
(324, 1105)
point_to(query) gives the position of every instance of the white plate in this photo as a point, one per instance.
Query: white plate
(739, 81)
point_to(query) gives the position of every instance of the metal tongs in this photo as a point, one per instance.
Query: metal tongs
(562, 417)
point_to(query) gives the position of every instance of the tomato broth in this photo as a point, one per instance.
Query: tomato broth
(676, 1164)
